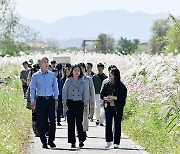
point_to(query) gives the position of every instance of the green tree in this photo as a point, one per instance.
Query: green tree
(173, 37)
(8, 24)
(13, 35)
(159, 30)
(106, 44)
(125, 46)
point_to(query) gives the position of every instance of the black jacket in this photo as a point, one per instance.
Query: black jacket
(97, 80)
(120, 91)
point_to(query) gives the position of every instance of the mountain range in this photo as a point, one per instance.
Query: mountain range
(70, 31)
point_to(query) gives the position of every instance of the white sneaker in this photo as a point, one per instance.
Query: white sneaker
(116, 146)
(108, 144)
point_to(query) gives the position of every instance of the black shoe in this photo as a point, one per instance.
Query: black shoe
(101, 124)
(52, 145)
(44, 146)
(59, 124)
(97, 122)
(73, 145)
(81, 144)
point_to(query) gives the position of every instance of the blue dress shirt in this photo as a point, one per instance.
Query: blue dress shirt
(43, 84)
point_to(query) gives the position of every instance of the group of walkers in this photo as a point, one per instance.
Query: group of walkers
(74, 93)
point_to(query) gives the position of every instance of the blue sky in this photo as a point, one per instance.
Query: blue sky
(51, 10)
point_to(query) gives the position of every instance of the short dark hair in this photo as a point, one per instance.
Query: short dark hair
(53, 62)
(81, 73)
(100, 65)
(59, 66)
(68, 65)
(36, 66)
(90, 64)
(25, 62)
(111, 67)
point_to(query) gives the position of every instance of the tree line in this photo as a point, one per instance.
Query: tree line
(15, 37)
(165, 39)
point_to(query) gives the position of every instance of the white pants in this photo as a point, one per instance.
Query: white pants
(99, 109)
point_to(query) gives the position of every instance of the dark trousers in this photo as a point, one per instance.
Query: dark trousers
(25, 87)
(60, 109)
(46, 111)
(75, 115)
(111, 112)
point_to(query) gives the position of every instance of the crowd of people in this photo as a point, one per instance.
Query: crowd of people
(75, 93)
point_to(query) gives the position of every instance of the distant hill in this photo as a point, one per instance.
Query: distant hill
(118, 23)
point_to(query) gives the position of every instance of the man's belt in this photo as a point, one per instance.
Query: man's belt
(46, 97)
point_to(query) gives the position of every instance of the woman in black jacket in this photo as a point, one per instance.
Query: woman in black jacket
(114, 94)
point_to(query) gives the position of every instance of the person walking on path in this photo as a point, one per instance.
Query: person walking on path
(97, 80)
(44, 83)
(114, 94)
(34, 114)
(75, 102)
(23, 76)
(66, 75)
(89, 71)
(90, 96)
(60, 105)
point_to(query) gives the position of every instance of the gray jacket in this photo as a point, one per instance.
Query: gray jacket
(75, 91)
(90, 88)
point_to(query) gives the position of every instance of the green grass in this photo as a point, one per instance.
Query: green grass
(15, 119)
(143, 123)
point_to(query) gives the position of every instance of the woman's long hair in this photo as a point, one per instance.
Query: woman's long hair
(81, 73)
(116, 74)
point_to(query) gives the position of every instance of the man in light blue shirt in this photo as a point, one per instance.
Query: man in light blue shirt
(44, 85)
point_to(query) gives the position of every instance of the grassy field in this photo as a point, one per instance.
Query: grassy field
(144, 123)
(151, 114)
(15, 119)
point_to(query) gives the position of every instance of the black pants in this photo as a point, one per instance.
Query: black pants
(46, 112)
(60, 109)
(25, 87)
(110, 112)
(75, 115)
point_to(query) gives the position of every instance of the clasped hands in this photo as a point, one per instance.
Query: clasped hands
(110, 98)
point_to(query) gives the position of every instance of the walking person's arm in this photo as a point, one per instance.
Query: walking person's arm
(85, 99)
(65, 94)
(33, 91)
(56, 91)
(92, 93)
